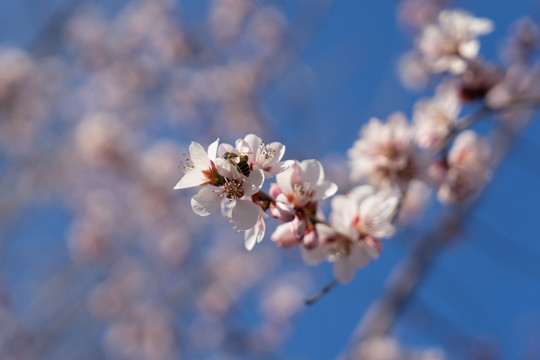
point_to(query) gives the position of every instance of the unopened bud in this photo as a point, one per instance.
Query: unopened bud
(275, 190)
(284, 237)
(311, 240)
(298, 227)
(281, 211)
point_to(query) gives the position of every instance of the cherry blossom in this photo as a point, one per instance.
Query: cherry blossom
(359, 221)
(385, 153)
(434, 117)
(299, 188)
(465, 170)
(221, 180)
(200, 167)
(449, 44)
(260, 155)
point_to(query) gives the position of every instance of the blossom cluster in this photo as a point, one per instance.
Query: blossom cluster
(393, 164)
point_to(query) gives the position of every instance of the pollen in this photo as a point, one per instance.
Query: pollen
(232, 189)
(265, 151)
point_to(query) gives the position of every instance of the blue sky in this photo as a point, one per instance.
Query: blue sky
(486, 283)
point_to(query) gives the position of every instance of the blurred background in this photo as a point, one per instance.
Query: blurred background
(101, 259)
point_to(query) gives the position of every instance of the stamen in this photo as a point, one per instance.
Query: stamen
(266, 151)
(232, 189)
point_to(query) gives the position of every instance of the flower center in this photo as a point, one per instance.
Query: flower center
(265, 151)
(339, 247)
(303, 191)
(232, 189)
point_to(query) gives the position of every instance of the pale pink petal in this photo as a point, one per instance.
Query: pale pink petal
(191, 178)
(312, 171)
(253, 141)
(243, 147)
(255, 234)
(212, 150)
(313, 256)
(198, 155)
(284, 179)
(225, 148)
(325, 190)
(358, 256)
(344, 270)
(205, 202)
(284, 237)
(253, 183)
(245, 214)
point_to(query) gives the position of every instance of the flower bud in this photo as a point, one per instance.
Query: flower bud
(298, 227)
(284, 237)
(275, 190)
(281, 211)
(311, 240)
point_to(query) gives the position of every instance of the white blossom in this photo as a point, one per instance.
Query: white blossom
(465, 170)
(433, 118)
(200, 168)
(359, 221)
(386, 153)
(449, 44)
(266, 157)
(297, 192)
(221, 180)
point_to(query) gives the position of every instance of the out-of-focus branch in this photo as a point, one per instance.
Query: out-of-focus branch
(408, 275)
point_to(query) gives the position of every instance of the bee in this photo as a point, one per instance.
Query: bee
(240, 161)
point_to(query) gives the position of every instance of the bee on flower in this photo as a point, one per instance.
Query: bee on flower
(231, 179)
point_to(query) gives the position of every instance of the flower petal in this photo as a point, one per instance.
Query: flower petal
(344, 270)
(191, 178)
(325, 190)
(212, 150)
(245, 214)
(205, 202)
(312, 171)
(198, 155)
(254, 182)
(255, 234)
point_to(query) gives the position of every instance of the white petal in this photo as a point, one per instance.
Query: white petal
(344, 270)
(325, 190)
(243, 147)
(253, 141)
(227, 207)
(383, 230)
(245, 214)
(212, 150)
(205, 202)
(360, 193)
(255, 234)
(198, 155)
(191, 178)
(313, 256)
(312, 171)
(358, 256)
(284, 178)
(224, 148)
(284, 237)
(253, 183)
(469, 49)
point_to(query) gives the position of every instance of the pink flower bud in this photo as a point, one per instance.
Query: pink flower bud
(275, 190)
(298, 227)
(281, 211)
(284, 237)
(311, 240)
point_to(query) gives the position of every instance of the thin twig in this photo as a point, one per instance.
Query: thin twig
(325, 290)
